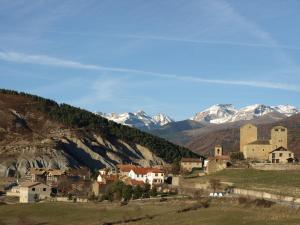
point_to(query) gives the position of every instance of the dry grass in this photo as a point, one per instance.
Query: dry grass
(219, 212)
(277, 182)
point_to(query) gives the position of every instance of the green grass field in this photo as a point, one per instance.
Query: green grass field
(220, 212)
(278, 182)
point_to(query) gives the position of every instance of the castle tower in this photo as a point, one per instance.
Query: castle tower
(218, 150)
(279, 137)
(248, 134)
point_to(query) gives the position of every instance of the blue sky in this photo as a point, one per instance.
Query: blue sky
(176, 57)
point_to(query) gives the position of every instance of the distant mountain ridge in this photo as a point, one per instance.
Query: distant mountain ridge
(139, 119)
(225, 113)
(216, 114)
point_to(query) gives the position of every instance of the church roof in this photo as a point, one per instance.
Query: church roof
(280, 149)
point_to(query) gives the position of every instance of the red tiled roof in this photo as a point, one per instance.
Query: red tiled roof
(223, 157)
(133, 182)
(191, 160)
(125, 167)
(142, 170)
(29, 184)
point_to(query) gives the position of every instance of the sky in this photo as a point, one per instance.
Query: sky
(173, 57)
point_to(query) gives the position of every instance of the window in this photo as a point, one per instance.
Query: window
(277, 160)
(280, 154)
(276, 129)
(33, 189)
(290, 154)
(273, 155)
(282, 129)
(44, 189)
(156, 174)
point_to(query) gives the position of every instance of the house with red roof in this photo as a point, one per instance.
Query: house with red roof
(152, 176)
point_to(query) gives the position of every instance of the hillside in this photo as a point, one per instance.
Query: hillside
(204, 140)
(183, 132)
(37, 132)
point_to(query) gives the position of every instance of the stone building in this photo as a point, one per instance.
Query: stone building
(256, 149)
(217, 162)
(33, 191)
(281, 155)
(188, 164)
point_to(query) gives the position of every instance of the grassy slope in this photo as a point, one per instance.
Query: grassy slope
(220, 213)
(73, 117)
(279, 182)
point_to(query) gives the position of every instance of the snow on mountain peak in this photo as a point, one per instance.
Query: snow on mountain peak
(139, 119)
(219, 113)
(287, 110)
(162, 119)
(223, 113)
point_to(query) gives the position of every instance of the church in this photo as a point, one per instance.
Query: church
(274, 150)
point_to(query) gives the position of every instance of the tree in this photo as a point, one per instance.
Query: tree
(127, 192)
(175, 167)
(153, 192)
(146, 191)
(237, 156)
(215, 184)
(116, 189)
(137, 192)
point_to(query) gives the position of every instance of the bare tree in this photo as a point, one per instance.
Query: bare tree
(215, 184)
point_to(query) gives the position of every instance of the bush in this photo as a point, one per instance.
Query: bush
(237, 156)
(153, 192)
(127, 192)
(137, 192)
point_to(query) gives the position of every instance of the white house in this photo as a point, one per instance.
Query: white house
(152, 176)
(32, 191)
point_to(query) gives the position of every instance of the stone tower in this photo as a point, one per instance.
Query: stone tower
(279, 137)
(218, 150)
(248, 134)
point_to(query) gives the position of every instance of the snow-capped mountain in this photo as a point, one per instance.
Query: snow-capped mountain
(220, 113)
(216, 114)
(287, 110)
(162, 119)
(251, 112)
(223, 113)
(138, 119)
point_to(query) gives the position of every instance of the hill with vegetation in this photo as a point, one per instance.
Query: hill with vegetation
(38, 132)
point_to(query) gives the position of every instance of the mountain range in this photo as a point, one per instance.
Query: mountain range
(139, 119)
(216, 114)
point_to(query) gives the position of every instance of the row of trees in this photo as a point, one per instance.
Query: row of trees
(79, 118)
(120, 191)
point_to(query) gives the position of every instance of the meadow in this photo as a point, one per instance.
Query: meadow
(277, 182)
(219, 212)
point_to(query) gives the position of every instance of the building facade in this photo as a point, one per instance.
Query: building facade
(256, 149)
(281, 155)
(188, 164)
(152, 176)
(33, 191)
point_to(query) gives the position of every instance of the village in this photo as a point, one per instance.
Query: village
(128, 181)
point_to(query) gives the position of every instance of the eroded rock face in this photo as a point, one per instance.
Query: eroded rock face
(67, 150)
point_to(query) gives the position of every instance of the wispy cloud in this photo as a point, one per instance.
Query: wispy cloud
(211, 42)
(58, 62)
